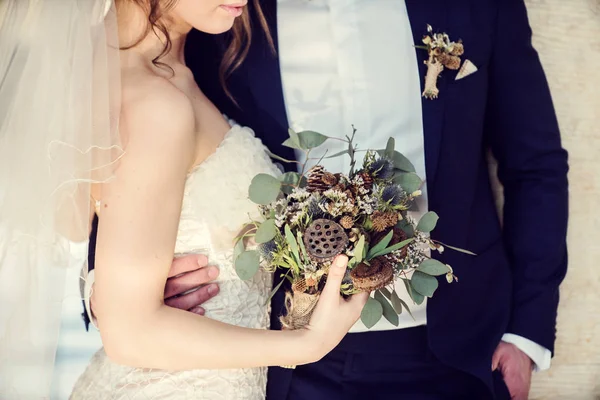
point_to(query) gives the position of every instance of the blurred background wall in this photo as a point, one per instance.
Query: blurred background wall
(566, 33)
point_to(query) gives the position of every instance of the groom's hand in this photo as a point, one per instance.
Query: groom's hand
(189, 284)
(516, 368)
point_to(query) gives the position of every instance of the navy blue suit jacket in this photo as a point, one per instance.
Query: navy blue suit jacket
(511, 286)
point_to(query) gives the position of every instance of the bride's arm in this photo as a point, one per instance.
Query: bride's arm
(136, 239)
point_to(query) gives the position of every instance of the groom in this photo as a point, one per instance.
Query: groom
(353, 62)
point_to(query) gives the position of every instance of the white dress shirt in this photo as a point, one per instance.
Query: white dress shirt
(351, 63)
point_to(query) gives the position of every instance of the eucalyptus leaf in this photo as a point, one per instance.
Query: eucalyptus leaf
(266, 231)
(275, 156)
(385, 291)
(392, 248)
(414, 295)
(290, 179)
(401, 303)
(341, 153)
(397, 303)
(388, 311)
(389, 149)
(291, 240)
(406, 227)
(311, 139)
(239, 248)
(291, 144)
(417, 297)
(371, 313)
(381, 245)
(264, 189)
(247, 264)
(359, 249)
(428, 222)
(400, 161)
(423, 283)
(294, 136)
(409, 181)
(433, 267)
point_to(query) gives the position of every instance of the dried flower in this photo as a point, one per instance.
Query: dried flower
(267, 250)
(329, 179)
(450, 62)
(311, 280)
(457, 49)
(372, 277)
(442, 53)
(316, 207)
(384, 220)
(315, 179)
(382, 169)
(347, 222)
(392, 194)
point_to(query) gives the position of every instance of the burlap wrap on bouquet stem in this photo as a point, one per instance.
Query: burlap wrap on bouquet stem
(299, 308)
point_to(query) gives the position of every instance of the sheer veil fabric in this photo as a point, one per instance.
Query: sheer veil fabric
(59, 109)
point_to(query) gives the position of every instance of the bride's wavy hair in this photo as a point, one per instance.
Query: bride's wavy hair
(240, 34)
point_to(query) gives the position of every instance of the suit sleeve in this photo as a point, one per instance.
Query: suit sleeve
(523, 132)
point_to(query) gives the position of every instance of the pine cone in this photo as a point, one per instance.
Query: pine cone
(372, 277)
(383, 220)
(299, 286)
(315, 179)
(347, 222)
(329, 179)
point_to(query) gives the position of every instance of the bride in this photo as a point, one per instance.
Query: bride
(177, 182)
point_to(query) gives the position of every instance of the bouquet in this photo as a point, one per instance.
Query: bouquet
(310, 217)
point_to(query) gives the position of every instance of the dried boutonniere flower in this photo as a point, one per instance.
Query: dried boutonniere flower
(443, 53)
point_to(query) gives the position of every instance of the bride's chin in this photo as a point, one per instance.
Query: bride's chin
(218, 25)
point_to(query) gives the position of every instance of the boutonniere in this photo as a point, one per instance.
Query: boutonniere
(443, 53)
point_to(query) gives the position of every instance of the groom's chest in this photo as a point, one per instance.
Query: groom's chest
(347, 64)
(361, 54)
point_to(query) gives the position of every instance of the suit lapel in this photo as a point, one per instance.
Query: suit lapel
(421, 13)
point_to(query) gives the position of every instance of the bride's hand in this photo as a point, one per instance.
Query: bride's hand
(333, 316)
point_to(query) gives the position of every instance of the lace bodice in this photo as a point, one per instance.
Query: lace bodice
(215, 206)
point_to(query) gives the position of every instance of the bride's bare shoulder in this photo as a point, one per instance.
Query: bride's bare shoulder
(149, 102)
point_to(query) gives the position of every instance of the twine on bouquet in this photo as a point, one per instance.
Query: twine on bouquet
(299, 307)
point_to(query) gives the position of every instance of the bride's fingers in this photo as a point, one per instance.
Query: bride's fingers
(336, 274)
(359, 299)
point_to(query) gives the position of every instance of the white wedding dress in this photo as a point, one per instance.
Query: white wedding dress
(215, 206)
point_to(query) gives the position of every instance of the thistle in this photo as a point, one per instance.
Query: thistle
(382, 169)
(392, 195)
(267, 250)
